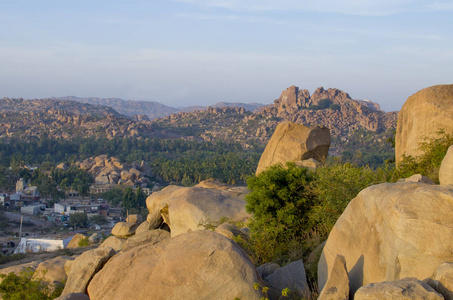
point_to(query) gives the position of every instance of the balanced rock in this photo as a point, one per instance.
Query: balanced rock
(422, 116)
(391, 231)
(446, 168)
(148, 237)
(124, 229)
(404, 289)
(197, 265)
(84, 267)
(184, 209)
(294, 142)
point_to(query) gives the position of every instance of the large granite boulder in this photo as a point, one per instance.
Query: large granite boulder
(293, 143)
(196, 265)
(403, 289)
(147, 237)
(423, 115)
(185, 208)
(391, 231)
(446, 168)
(84, 267)
(19, 268)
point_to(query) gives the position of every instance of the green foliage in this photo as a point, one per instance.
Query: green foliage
(114, 196)
(280, 200)
(84, 242)
(427, 164)
(78, 219)
(99, 220)
(335, 185)
(22, 287)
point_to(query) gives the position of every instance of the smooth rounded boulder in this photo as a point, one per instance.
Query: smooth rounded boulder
(294, 143)
(391, 231)
(422, 116)
(184, 209)
(196, 265)
(446, 168)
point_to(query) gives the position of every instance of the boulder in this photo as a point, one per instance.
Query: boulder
(267, 269)
(95, 238)
(446, 168)
(442, 280)
(62, 166)
(291, 276)
(102, 179)
(418, 178)
(295, 142)
(113, 178)
(230, 231)
(422, 116)
(124, 229)
(391, 231)
(406, 288)
(337, 286)
(74, 296)
(135, 218)
(310, 163)
(74, 242)
(144, 227)
(148, 237)
(154, 219)
(84, 267)
(136, 172)
(52, 271)
(196, 265)
(185, 208)
(126, 176)
(113, 242)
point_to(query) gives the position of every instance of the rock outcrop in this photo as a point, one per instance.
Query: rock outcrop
(149, 237)
(392, 231)
(124, 229)
(291, 276)
(184, 209)
(84, 267)
(403, 289)
(293, 143)
(422, 116)
(52, 271)
(76, 239)
(196, 265)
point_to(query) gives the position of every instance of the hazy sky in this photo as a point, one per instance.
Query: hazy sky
(198, 52)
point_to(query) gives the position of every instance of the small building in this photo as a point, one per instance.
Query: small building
(4, 199)
(31, 210)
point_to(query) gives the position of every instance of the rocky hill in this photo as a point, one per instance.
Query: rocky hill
(332, 108)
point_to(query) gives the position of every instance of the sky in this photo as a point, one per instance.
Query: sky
(199, 52)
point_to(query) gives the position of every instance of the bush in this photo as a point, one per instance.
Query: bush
(78, 219)
(23, 287)
(335, 185)
(279, 201)
(427, 164)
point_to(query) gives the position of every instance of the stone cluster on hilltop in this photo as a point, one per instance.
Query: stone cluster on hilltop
(111, 171)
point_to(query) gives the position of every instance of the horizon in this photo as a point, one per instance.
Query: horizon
(198, 52)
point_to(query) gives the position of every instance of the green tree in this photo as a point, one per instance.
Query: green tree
(140, 198)
(78, 219)
(98, 220)
(129, 199)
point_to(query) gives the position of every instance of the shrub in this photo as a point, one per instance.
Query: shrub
(23, 287)
(427, 164)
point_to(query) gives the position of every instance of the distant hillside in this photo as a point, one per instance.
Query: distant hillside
(19, 105)
(151, 109)
(128, 107)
